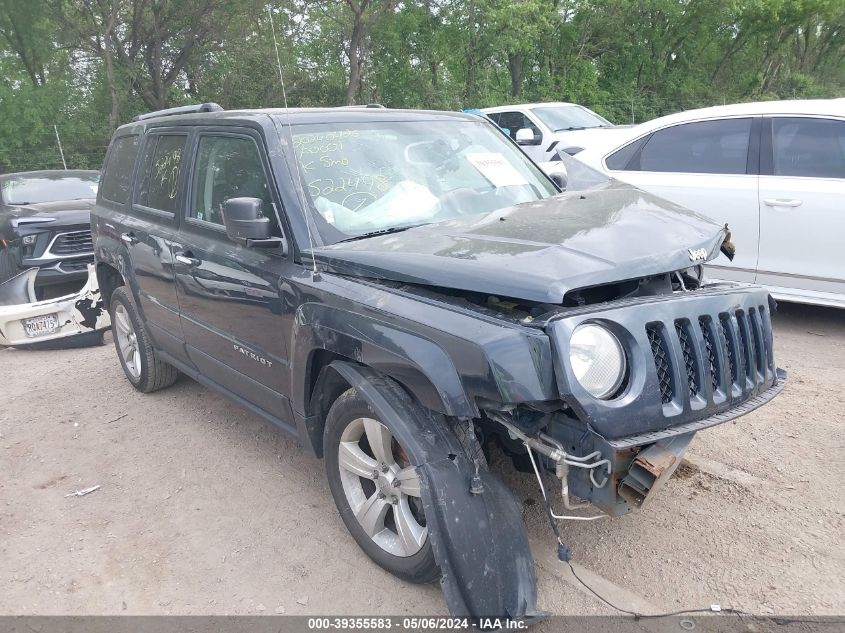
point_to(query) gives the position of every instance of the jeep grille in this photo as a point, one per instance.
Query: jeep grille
(726, 353)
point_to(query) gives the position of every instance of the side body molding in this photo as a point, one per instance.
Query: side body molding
(486, 563)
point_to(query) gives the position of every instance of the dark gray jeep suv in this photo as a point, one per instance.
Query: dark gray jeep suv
(402, 291)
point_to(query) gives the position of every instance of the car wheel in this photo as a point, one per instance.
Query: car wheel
(8, 266)
(142, 366)
(377, 490)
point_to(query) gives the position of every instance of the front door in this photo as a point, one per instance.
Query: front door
(229, 295)
(802, 208)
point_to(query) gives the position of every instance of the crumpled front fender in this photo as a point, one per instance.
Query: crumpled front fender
(479, 540)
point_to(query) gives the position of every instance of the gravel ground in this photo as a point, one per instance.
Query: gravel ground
(205, 509)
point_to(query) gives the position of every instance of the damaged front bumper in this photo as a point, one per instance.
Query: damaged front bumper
(620, 475)
(25, 321)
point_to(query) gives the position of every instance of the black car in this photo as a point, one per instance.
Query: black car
(403, 291)
(45, 224)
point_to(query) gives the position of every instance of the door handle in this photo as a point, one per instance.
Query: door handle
(187, 259)
(782, 202)
(128, 238)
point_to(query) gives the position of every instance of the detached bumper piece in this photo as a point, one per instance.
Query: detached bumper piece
(651, 469)
(27, 322)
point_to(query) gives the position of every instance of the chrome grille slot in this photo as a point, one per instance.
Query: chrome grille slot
(72, 243)
(654, 332)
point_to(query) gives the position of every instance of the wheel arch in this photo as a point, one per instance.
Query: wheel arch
(323, 336)
(109, 279)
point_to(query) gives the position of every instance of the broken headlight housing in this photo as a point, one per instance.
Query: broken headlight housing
(597, 360)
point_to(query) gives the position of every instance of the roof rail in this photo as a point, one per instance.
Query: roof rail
(188, 109)
(368, 105)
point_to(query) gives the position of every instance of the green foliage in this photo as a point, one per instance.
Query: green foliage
(61, 64)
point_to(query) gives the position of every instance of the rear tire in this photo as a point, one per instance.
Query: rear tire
(392, 511)
(140, 362)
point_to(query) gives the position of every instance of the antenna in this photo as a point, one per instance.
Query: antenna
(290, 135)
(61, 151)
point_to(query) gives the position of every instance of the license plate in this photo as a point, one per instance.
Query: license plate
(41, 325)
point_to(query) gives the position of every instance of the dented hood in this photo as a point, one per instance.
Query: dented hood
(537, 251)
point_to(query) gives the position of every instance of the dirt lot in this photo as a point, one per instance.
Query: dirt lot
(205, 509)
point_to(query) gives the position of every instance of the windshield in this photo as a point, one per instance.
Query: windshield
(570, 117)
(35, 189)
(369, 178)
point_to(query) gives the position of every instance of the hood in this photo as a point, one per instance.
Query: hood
(537, 251)
(62, 213)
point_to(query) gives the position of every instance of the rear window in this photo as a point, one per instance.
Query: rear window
(162, 172)
(117, 178)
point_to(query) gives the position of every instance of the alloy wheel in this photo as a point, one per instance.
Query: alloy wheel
(382, 487)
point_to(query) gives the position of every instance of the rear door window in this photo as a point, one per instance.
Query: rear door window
(117, 176)
(810, 147)
(162, 172)
(704, 147)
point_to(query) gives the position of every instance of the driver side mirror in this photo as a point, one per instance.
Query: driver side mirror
(246, 225)
(525, 136)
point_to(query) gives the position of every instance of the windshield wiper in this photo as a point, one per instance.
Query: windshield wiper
(388, 231)
(571, 128)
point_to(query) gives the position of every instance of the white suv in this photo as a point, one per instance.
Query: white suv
(552, 126)
(774, 171)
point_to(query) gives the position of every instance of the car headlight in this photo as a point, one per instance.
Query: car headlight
(29, 240)
(597, 360)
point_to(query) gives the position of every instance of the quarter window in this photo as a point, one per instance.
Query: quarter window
(705, 147)
(808, 147)
(228, 167)
(162, 173)
(117, 178)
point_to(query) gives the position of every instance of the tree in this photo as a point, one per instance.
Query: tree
(149, 42)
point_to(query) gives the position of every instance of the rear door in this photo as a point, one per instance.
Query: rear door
(148, 231)
(707, 166)
(229, 294)
(802, 208)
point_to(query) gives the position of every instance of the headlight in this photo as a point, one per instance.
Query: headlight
(29, 240)
(597, 359)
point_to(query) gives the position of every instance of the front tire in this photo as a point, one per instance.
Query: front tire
(142, 366)
(377, 490)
